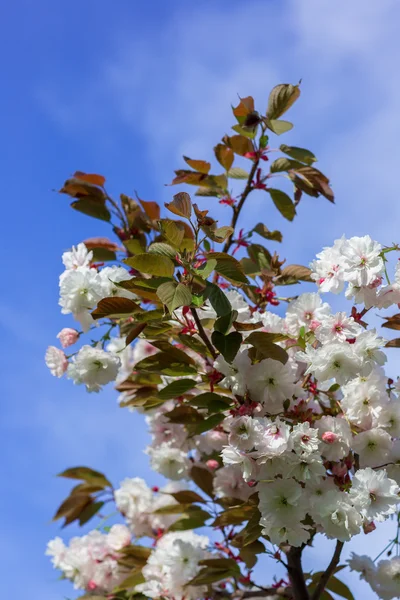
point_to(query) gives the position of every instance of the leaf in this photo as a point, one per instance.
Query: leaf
(337, 586)
(392, 322)
(239, 144)
(134, 332)
(103, 255)
(161, 248)
(207, 424)
(183, 415)
(281, 98)
(206, 268)
(238, 173)
(224, 156)
(174, 295)
(203, 479)
(285, 164)
(101, 242)
(300, 154)
(192, 520)
(186, 496)
(250, 533)
(262, 230)
(176, 388)
(166, 364)
(314, 179)
(194, 344)
(224, 323)
(207, 576)
(393, 343)
(92, 178)
(181, 205)
(244, 108)
(151, 209)
(228, 267)
(279, 127)
(234, 515)
(249, 553)
(173, 231)
(212, 401)
(218, 299)
(86, 474)
(115, 307)
(133, 579)
(201, 166)
(264, 344)
(78, 188)
(283, 203)
(228, 345)
(247, 326)
(152, 264)
(217, 234)
(72, 507)
(91, 206)
(297, 272)
(139, 554)
(89, 511)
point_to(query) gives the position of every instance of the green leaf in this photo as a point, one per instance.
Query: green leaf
(262, 230)
(174, 294)
(176, 388)
(249, 553)
(238, 173)
(207, 424)
(218, 299)
(223, 564)
(165, 364)
(173, 231)
(207, 576)
(219, 234)
(228, 345)
(279, 127)
(283, 164)
(194, 344)
(224, 323)
(250, 533)
(212, 401)
(229, 267)
(301, 154)
(281, 98)
(337, 586)
(191, 520)
(283, 203)
(162, 249)
(152, 264)
(265, 346)
(206, 268)
(103, 255)
(203, 479)
(133, 579)
(93, 207)
(235, 515)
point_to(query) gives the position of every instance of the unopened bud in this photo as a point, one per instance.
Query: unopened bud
(329, 437)
(212, 464)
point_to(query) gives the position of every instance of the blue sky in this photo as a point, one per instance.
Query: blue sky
(124, 89)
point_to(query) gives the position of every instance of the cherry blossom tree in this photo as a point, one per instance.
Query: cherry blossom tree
(271, 416)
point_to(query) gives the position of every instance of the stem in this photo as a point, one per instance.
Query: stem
(285, 592)
(329, 571)
(238, 208)
(202, 333)
(296, 574)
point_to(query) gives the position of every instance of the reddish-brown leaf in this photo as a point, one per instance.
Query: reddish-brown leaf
(90, 178)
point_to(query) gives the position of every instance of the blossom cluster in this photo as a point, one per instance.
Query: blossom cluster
(316, 435)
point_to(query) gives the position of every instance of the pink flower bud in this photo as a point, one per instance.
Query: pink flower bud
(91, 585)
(329, 437)
(67, 337)
(212, 464)
(369, 527)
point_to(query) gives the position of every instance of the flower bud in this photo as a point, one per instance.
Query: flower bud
(329, 437)
(68, 337)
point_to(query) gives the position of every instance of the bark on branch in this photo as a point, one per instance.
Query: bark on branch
(329, 571)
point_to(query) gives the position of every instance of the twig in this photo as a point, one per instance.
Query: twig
(238, 208)
(285, 592)
(202, 333)
(329, 571)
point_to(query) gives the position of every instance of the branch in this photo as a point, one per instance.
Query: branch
(285, 592)
(296, 574)
(202, 333)
(329, 571)
(238, 208)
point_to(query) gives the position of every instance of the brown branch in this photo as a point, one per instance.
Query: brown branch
(296, 574)
(202, 333)
(329, 571)
(238, 208)
(284, 592)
